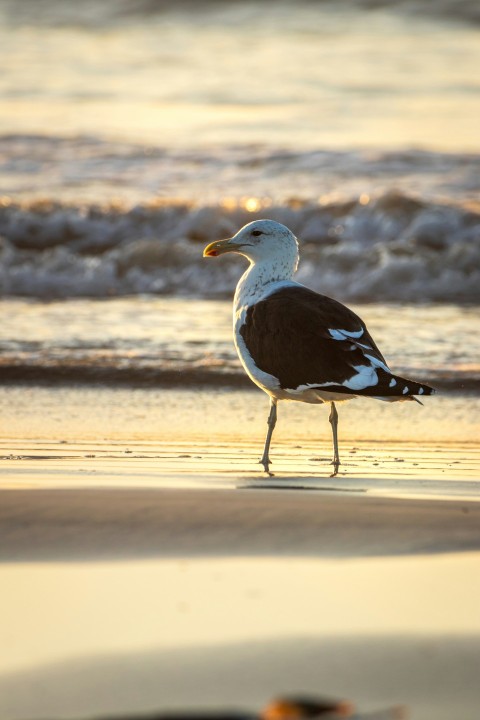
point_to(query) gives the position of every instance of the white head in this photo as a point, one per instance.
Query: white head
(261, 241)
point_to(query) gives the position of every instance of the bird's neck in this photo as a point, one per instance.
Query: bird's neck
(259, 279)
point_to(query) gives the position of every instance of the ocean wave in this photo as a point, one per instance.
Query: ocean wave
(393, 247)
(90, 170)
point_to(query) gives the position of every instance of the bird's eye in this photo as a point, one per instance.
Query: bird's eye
(256, 233)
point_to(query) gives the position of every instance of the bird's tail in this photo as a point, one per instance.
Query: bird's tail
(393, 388)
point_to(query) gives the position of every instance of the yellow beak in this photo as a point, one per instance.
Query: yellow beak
(220, 247)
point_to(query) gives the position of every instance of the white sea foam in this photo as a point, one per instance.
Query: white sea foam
(393, 248)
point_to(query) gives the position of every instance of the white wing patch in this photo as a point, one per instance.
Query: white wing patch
(354, 335)
(345, 334)
(376, 362)
(365, 377)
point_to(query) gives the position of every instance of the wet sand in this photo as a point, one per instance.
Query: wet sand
(166, 571)
(97, 620)
(108, 499)
(102, 523)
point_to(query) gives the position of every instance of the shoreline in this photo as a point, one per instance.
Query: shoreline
(16, 375)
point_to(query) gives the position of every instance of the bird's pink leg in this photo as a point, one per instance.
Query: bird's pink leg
(334, 423)
(271, 422)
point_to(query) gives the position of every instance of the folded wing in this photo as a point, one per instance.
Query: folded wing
(309, 340)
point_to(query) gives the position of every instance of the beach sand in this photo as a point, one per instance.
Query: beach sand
(162, 570)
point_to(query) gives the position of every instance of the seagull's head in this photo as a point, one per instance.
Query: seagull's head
(257, 241)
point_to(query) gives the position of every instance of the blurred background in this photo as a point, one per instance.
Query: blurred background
(133, 132)
(330, 75)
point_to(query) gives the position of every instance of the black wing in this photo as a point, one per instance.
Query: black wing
(303, 338)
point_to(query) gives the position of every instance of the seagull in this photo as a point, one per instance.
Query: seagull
(296, 344)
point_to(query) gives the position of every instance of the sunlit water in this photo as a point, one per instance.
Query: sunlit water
(303, 75)
(183, 341)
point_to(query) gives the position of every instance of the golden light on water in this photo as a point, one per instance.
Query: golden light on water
(329, 198)
(249, 203)
(252, 204)
(229, 203)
